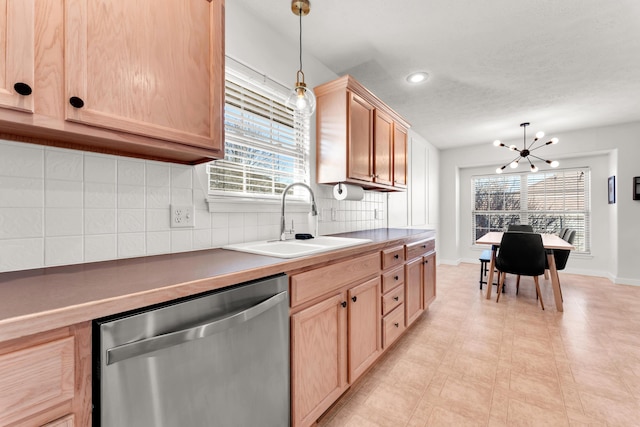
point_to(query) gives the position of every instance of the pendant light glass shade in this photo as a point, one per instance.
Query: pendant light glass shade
(301, 98)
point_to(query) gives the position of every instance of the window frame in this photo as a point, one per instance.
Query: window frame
(523, 213)
(250, 80)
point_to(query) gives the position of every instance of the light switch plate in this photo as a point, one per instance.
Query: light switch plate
(182, 216)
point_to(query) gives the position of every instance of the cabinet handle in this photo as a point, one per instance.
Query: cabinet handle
(395, 277)
(343, 304)
(354, 298)
(22, 88)
(396, 256)
(76, 102)
(396, 298)
(397, 325)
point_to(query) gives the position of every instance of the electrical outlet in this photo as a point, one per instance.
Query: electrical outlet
(378, 214)
(334, 214)
(182, 216)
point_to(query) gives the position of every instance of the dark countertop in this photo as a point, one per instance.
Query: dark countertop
(33, 301)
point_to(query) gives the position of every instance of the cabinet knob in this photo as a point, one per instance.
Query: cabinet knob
(396, 298)
(354, 298)
(76, 102)
(426, 261)
(397, 325)
(396, 256)
(22, 88)
(424, 246)
(395, 277)
(343, 304)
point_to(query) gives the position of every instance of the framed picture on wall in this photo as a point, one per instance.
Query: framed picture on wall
(612, 189)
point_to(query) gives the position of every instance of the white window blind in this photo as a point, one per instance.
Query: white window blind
(266, 144)
(548, 201)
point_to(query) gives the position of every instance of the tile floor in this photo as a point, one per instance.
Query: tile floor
(472, 361)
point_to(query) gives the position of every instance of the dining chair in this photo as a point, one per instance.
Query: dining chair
(521, 253)
(520, 227)
(563, 232)
(561, 256)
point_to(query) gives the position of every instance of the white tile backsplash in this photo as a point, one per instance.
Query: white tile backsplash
(20, 192)
(63, 164)
(99, 169)
(102, 207)
(63, 194)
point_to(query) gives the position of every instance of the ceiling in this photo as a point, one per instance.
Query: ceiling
(493, 64)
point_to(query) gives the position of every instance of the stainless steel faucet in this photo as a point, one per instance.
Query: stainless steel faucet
(314, 209)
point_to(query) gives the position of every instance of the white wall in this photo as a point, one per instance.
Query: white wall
(418, 207)
(612, 150)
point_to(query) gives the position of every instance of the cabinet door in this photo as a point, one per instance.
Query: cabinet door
(318, 358)
(429, 268)
(17, 35)
(360, 139)
(383, 149)
(67, 421)
(148, 67)
(399, 156)
(413, 290)
(364, 327)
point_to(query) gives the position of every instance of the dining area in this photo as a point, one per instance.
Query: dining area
(521, 251)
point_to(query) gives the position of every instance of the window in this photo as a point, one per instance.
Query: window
(549, 201)
(266, 144)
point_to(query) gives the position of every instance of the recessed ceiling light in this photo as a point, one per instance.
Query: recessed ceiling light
(418, 77)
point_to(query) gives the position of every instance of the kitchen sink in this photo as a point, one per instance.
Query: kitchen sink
(296, 248)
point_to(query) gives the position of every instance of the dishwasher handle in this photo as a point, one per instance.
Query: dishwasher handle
(148, 345)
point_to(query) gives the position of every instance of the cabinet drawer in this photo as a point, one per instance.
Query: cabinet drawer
(36, 378)
(392, 299)
(393, 325)
(392, 278)
(392, 257)
(420, 248)
(314, 283)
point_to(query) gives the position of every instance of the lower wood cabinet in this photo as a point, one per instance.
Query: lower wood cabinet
(45, 380)
(363, 327)
(318, 358)
(332, 343)
(67, 421)
(420, 278)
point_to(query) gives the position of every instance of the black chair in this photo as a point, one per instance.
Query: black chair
(485, 259)
(520, 227)
(521, 253)
(561, 256)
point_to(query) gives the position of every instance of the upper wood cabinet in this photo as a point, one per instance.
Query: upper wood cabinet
(142, 79)
(17, 44)
(399, 156)
(356, 138)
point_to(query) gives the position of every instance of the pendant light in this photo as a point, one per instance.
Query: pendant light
(301, 100)
(525, 153)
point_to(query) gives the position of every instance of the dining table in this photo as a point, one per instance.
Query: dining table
(550, 243)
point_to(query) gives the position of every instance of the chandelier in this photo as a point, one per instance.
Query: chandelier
(525, 153)
(301, 98)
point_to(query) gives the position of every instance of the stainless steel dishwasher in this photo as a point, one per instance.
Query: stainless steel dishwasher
(218, 359)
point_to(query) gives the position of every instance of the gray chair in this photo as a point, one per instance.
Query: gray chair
(562, 234)
(521, 253)
(520, 227)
